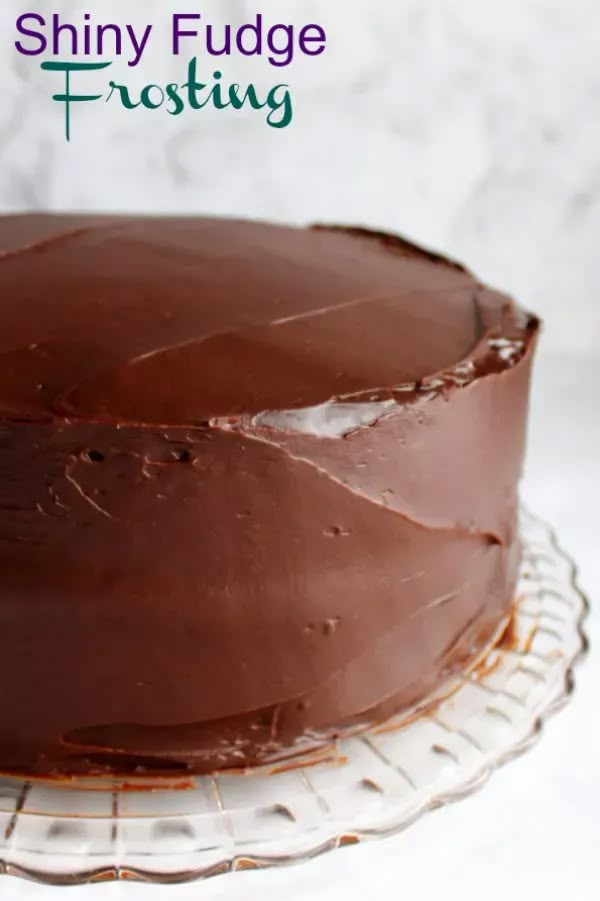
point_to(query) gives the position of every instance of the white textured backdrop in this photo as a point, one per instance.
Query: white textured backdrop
(469, 125)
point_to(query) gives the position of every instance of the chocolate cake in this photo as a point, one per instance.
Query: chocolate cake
(258, 485)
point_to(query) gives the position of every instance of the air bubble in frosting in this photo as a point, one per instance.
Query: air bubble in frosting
(332, 420)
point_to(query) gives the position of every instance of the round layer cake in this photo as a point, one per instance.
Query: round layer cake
(258, 485)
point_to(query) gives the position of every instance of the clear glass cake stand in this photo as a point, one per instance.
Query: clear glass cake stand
(366, 786)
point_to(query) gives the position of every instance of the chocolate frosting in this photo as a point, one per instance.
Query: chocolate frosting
(257, 484)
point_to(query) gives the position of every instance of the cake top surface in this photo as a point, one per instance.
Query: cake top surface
(177, 320)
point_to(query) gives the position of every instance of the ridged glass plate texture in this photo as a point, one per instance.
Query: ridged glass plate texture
(365, 786)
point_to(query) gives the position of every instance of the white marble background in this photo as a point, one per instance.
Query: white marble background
(472, 126)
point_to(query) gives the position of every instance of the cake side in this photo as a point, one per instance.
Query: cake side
(223, 536)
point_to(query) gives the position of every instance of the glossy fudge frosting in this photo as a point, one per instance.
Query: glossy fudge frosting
(257, 484)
